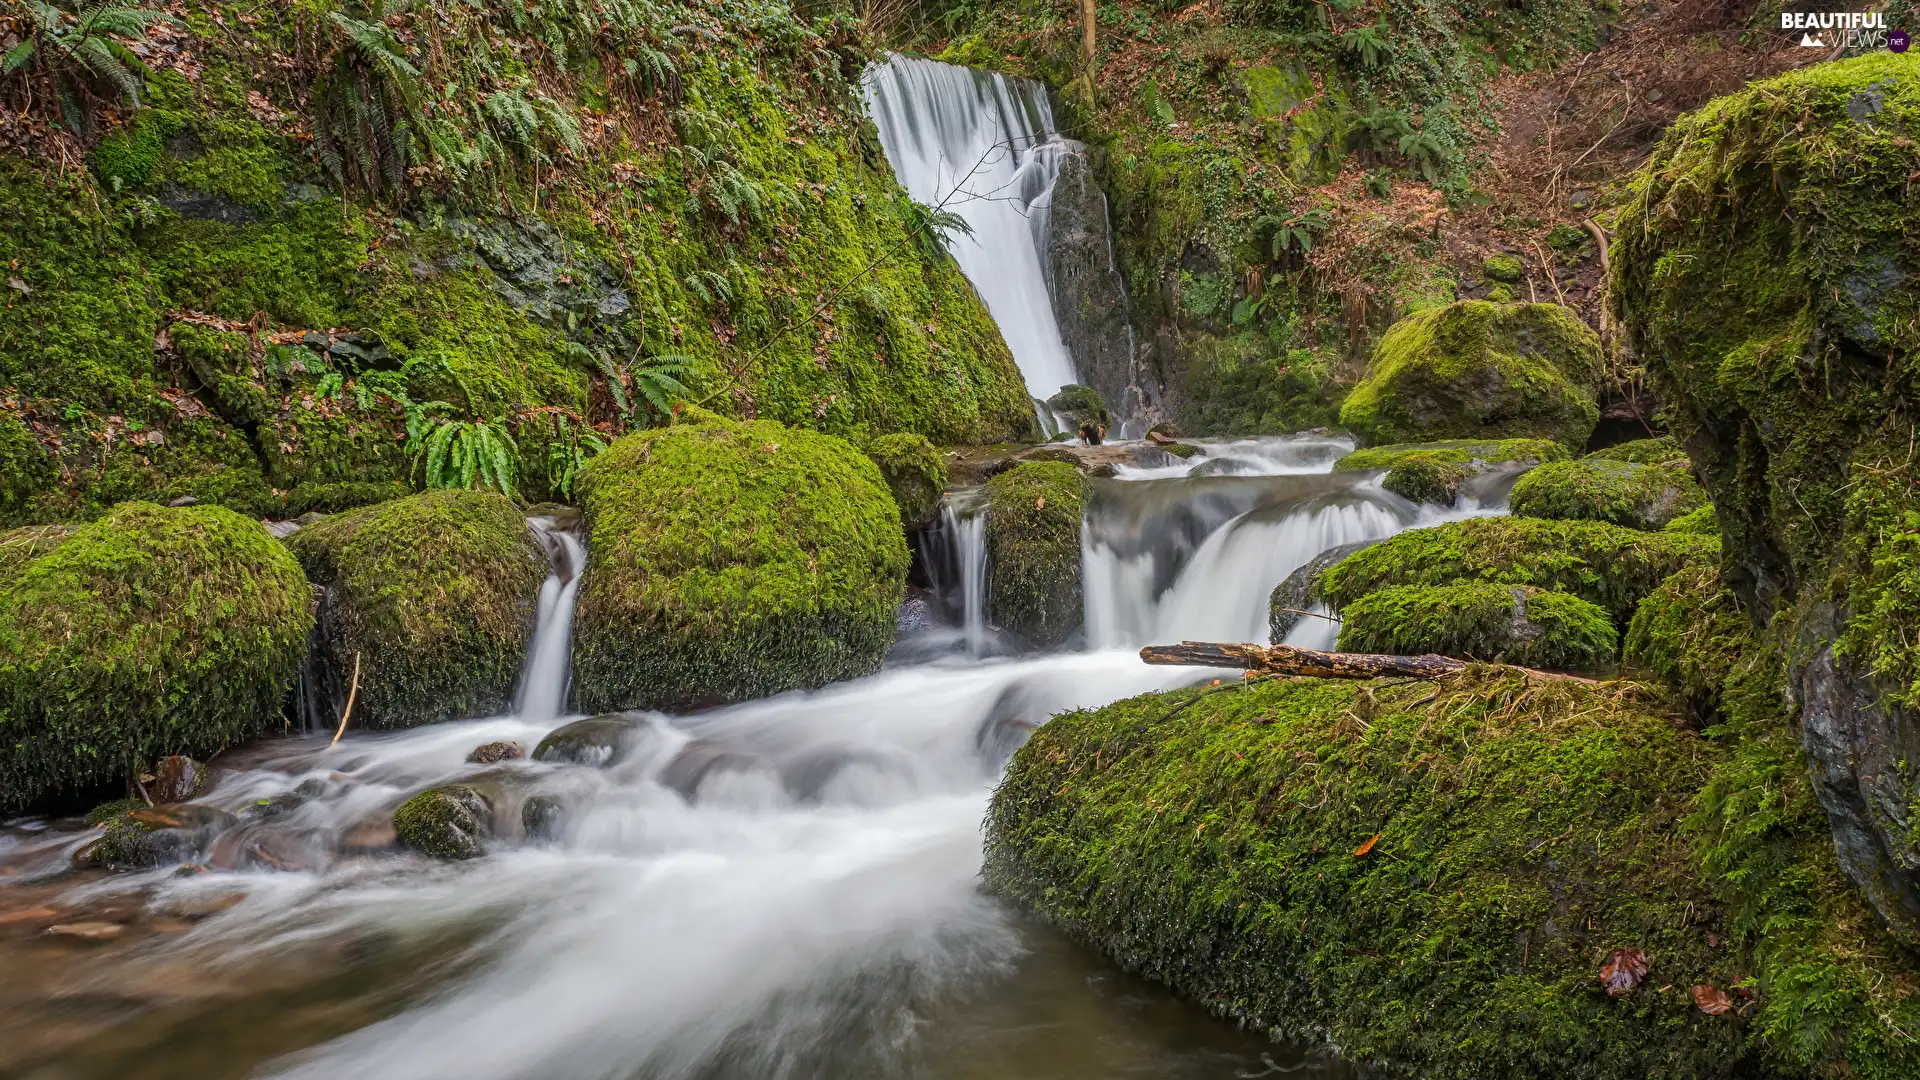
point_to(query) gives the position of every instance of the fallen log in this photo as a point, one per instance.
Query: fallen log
(1287, 660)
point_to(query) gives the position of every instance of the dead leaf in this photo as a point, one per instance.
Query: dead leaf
(1040, 503)
(1623, 972)
(1363, 849)
(19, 286)
(1712, 1000)
(90, 931)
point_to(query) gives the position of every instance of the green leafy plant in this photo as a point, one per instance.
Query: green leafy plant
(84, 50)
(568, 455)
(931, 228)
(658, 382)
(1370, 43)
(368, 104)
(466, 453)
(1291, 232)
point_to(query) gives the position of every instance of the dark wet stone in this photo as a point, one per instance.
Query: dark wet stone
(607, 739)
(179, 779)
(543, 818)
(1301, 590)
(448, 822)
(495, 752)
(698, 762)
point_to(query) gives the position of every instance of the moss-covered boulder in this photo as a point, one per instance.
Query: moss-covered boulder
(1082, 406)
(1430, 881)
(1604, 564)
(1482, 620)
(1622, 492)
(915, 473)
(1766, 271)
(1689, 634)
(1479, 370)
(451, 822)
(18, 547)
(149, 632)
(1655, 451)
(1698, 522)
(1033, 550)
(435, 595)
(1432, 472)
(729, 561)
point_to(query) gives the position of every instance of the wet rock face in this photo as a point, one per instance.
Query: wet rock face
(179, 779)
(601, 740)
(1858, 746)
(1089, 297)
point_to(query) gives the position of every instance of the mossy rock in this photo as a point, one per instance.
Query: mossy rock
(1478, 370)
(915, 473)
(435, 594)
(1432, 472)
(1428, 878)
(451, 822)
(1082, 405)
(1604, 564)
(1503, 268)
(18, 547)
(332, 498)
(1033, 551)
(149, 632)
(1300, 590)
(1482, 620)
(1699, 522)
(1690, 634)
(729, 561)
(1622, 492)
(26, 469)
(1655, 451)
(1765, 271)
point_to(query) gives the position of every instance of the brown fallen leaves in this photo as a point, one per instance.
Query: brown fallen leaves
(1712, 1000)
(1624, 971)
(1363, 849)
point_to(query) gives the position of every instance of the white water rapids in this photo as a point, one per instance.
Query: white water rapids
(785, 888)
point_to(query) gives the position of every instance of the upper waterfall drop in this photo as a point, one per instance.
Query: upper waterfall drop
(983, 146)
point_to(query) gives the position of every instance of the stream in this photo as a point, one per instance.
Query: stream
(787, 888)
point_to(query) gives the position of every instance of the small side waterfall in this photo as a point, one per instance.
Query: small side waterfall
(983, 146)
(959, 566)
(542, 696)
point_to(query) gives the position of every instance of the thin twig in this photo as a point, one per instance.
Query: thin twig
(353, 691)
(1315, 614)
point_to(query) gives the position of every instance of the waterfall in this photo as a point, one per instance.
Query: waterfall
(983, 146)
(958, 566)
(543, 680)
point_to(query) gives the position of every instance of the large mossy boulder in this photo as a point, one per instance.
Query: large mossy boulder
(1479, 370)
(1604, 564)
(1432, 472)
(1655, 451)
(1598, 489)
(729, 561)
(1482, 620)
(435, 594)
(1768, 271)
(915, 473)
(1033, 550)
(149, 632)
(1428, 878)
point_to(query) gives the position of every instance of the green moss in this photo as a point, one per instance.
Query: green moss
(1033, 550)
(1607, 565)
(1433, 472)
(1081, 405)
(1690, 634)
(1427, 877)
(1622, 492)
(20, 546)
(1699, 522)
(915, 473)
(1515, 624)
(1234, 387)
(445, 822)
(152, 631)
(130, 157)
(331, 498)
(434, 594)
(733, 560)
(1480, 370)
(1656, 451)
(1504, 268)
(26, 468)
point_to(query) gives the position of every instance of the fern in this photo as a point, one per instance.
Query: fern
(93, 48)
(658, 381)
(930, 228)
(567, 458)
(465, 454)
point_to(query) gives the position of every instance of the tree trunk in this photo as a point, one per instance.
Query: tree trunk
(1087, 32)
(1287, 660)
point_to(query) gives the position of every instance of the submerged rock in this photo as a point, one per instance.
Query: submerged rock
(151, 631)
(1033, 551)
(1479, 370)
(142, 837)
(434, 594)
(1433, 472)
(449, 822)
(1513, 624)
(1598, 489)
(543, 818)
(607, 739)
(730, 561)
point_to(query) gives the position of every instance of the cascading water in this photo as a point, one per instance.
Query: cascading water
(957, 557)
(544, 678)
(983, 146)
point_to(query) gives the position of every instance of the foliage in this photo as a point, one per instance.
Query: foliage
(1607, 565)
(931, 228)
(89, 53)
(152, 631)
(1622, 492)
(435, 595)
(731, 560)
(1655, 451)
(465, 453)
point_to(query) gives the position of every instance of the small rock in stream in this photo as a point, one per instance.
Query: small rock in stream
(445, 822)
(179, 779)
(495, 752)
(601, 740)
(543, 817)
